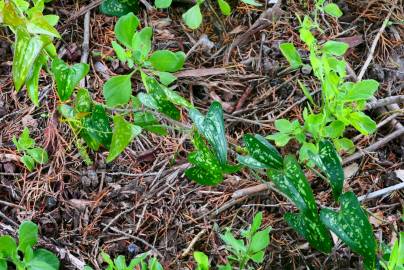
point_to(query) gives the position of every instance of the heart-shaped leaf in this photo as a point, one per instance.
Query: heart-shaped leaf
(351, 225)
(193, 17)
(123, 134)
(293, 183)
(67, 77)
(261, 150)
(328, 161)
(309, 226)
(43, 260)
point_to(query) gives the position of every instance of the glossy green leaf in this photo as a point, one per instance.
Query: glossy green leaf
(363, 90)
(39, 25)
(203, 176)
(125, 28)
(193, 17)
(165, 60)
(26, 51)
(175, 98)
(33, 78)
(148, 122)
(328, 161)
(351, 225)
(166, 78)
(260, 149)
(123, 134)
(281, 139)
(309, 226)
(67, 77)
(224, 7)
(336, 48)
(120, 52)
(28, 162)
(306, 150)
(335, 129)
(293, 183)
(291, 54)
(118, 90)
(119, 7)
(162, 3)
(8, 247)
(27, 235)
(202, 260)
(333, 10)
(252, 2)
(83, 102)
(363, 123)
(43, 260)
(38, 154)
(141, 44)
(250, 162)
(258, 257)
(344, 144)
(96, 129)
(148, 101)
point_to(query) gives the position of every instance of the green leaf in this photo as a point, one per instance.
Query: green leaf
(333, 10)
(39, 25)
(307, 37)
(224, 7)
(26, 51)
(165, 60)
(258, 257)
(310, 227)
(159, 97)
(328, 161)
(148, 101)
(33, 78)
(24, 141)
(203, 176)
(162, 3)
(261, 150)
(125, 28)
(175, 98)
(284, 126)
(38, 154)
(120, 52)
(148, 121)
(83, 102)
(290, 53)
(3, 263)
(96, 129)
(141, 44)
(362, 90)
(67, 77)
(252, 2)
(8, 247)
(306, 92)
(306, 150)
(259, 241)
(166, 78)
(202, 260)
(335, 129)
(363, 123)
(251, 162)
(256, 223)
(351, 225)
(336, 48)
(123, 134)
(235, 244)
(28, 162)
(119, 7)
(27, 235)
(293, 183)
(193, 17)
(118, 90)
(281, 139)
(43, 260)
(344, 144)
(120, 262)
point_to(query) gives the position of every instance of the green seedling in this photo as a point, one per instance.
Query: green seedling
(34, 33)
(393, 258)
(341, 105)
(119, 263)
(209, 160)
(32, 155)
(249, 249)
(25, 256)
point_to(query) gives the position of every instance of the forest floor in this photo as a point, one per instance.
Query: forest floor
(143, 196)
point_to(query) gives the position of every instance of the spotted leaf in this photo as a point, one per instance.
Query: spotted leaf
(293, 183)
(328, 161)
(351, 225)
(251, 162)
(260, 149)
(309, 226)
(96, 129)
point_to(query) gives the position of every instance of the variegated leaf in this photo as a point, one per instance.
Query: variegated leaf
(352, 226)
(329, 163)
(261, 150)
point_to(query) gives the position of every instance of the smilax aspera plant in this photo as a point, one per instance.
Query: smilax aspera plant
(24, 255)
